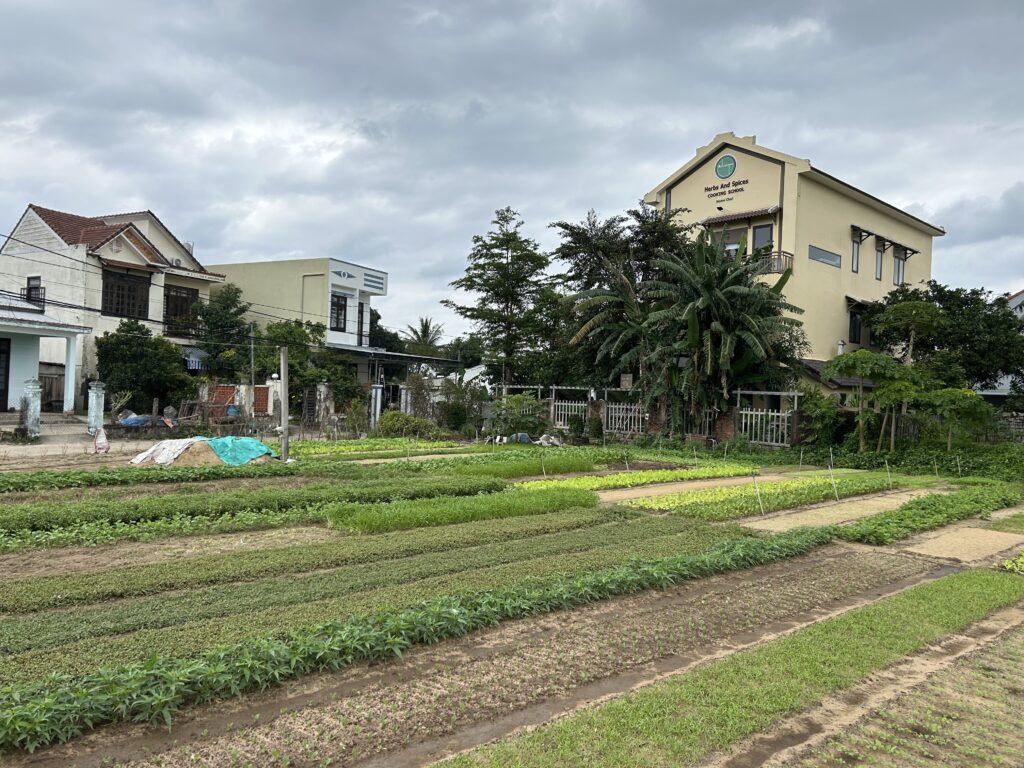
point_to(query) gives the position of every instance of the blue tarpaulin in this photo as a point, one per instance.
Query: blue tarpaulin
(238, 450)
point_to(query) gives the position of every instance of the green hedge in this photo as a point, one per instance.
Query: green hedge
(48, 516)
(930, 512)
(60, 708)
(441, 510)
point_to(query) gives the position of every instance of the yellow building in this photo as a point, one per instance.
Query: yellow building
(845, 246)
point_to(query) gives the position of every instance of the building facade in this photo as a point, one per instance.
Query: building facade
(330, 291)
(92, 272)
(845, 247)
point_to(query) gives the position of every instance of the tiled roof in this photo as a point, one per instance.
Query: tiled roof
(77, 230)
(815, 367)
(741, 216)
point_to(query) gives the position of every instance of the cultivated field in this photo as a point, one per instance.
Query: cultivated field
(397, 602)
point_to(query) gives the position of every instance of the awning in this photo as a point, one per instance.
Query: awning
(741, 216)
(853, 301)
(129, 265)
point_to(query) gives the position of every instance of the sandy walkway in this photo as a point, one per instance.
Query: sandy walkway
(967, 545)
(835, 513)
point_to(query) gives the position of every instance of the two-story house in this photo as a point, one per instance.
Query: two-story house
(94, 271)
(845, 247)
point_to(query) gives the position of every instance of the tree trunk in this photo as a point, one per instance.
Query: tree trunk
(892, 432)
(881, 432)
(862, 445)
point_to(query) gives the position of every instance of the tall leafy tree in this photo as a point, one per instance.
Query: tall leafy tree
(506, 273)
(863, 365)
(981, 336)
(468, 350)
(224, 333)
(382, 337)
(309, 361)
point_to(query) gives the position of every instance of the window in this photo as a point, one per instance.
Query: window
(33, 292)
(899, 268)
(125, 295)
(825, 257)
(339, 311)
(878, 262)
(855, 256)
(359, 331)
(762, 236)
(179, 317)
(855, 328)
(732, 240)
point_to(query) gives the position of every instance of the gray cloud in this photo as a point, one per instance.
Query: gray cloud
(389, 132)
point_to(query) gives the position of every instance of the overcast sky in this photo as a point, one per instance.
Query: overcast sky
(388, 132)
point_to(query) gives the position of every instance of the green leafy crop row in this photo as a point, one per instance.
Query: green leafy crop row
(642, 477)
(441, 510)
(299, 448)
(933, 511)
(742, 501)
(41, 592)
(60, 707)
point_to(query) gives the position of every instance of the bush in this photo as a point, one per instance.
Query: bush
(518, 413)
(400, 515)
(577, 425)
(595, 429)
(398, 424)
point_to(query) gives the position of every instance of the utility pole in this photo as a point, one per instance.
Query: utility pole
(284, 403)
(252, 361)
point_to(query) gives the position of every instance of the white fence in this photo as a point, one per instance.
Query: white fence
(702, 424)
(765, 427)
(563, 409)
(623, 418)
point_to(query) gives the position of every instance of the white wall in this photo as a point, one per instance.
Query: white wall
(24, 364)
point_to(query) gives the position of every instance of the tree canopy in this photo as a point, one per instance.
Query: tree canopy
(133, 360)
(224, 333)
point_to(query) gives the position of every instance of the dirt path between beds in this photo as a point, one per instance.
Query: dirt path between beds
(458, 694)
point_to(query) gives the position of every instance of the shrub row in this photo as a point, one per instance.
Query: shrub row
(41, 592)
(47, 480)
(48, 516)
(60, 707)
(742, 501)
(929, 512)
(441, 510)
(642, 477)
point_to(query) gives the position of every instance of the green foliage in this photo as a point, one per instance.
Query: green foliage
(366, 445)
(518, 413)
(820, 416)
(742, 501)
(577, 425)
(961, 409)
(506, 273)
(62, 707)
(400, 515)
(224, 333)
(424, 338)
(641, 477)
(980, 339)
(864, 365)
(595, 428)
(1014, 565)
(133, 360)
(398, 424)
(382, 337)
(933, 511)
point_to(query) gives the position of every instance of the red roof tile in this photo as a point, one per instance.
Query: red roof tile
(77, 230)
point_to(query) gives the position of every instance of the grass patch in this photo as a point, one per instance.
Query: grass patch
(1011, 524)
(682, 720)
(641, 477)
(402, 515)
(742, 501)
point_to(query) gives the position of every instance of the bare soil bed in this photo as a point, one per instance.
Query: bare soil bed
(965, 711)
(461, 693)
(967, 544)
(42, 562)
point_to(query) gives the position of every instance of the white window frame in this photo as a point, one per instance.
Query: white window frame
(855, 256)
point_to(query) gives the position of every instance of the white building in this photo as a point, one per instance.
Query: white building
(92, 272)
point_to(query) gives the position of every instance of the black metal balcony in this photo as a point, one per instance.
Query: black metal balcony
(34, 294)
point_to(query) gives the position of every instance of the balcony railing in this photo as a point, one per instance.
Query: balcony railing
(777, 262)
(181, 327)
(34, 294)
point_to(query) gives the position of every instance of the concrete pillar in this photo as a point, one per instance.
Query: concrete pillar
(32, 394)
(97, 395)
(376, 401)
(403, 399)
(70, 374)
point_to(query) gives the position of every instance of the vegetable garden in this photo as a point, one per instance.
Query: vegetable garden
(412, 552)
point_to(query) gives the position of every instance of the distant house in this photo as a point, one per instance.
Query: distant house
(322, 290)
(91, 272)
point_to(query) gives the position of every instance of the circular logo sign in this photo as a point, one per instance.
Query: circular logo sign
(725, 167)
